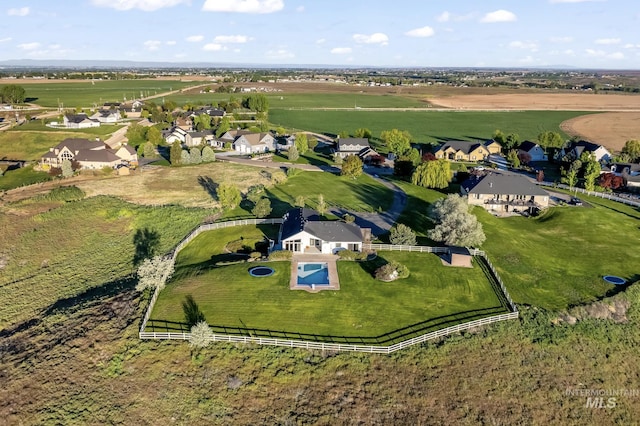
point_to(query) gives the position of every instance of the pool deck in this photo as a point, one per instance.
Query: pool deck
(329, 259)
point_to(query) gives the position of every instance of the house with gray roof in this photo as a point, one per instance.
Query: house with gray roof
(354, 146)
(79, 121)
(535, 151)
(302, 231)
(573, 150)
(504, 193)
(89, 154)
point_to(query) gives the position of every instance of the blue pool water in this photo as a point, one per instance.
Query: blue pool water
(313, 273)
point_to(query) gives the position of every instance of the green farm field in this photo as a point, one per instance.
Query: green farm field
(426, 126)
(84, 94)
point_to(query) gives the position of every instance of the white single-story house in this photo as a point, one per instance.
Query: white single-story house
(302, 231)
(177, 135)
(79, 121)
(535, 151)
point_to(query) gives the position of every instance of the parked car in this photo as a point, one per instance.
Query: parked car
(576, 201)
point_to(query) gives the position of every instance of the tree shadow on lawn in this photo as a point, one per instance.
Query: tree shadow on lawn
(394, 336)
(209, 185)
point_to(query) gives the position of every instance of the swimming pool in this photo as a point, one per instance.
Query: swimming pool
(313, 273)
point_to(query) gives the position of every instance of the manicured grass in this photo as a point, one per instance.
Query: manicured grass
(21, 177)
(57, 250)
(426, 126)
(104, 130)
(315, 158)
(282, 100)
(87, 95)
(31, 145)
(363, 194)
(362, 307)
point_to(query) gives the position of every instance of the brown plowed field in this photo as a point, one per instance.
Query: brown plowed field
(611, 129)
(541, 101)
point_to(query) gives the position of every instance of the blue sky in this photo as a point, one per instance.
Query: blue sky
(426, 33)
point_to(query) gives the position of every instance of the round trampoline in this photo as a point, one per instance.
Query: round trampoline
(261, 271)
(611, 279)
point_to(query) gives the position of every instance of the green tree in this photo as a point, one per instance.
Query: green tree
(351, 166)
(202, 122)
(569, 177)
(154, 135)
(195, 155)
(299, 201)
(455, 226)
(398, 141)
(513, 158)
(402, 235)
(258, 103)
(432, 174)
(550, 139)
(229, 195)
(262, 208)
(512, 141)
(343, 134)
(175, 153)
(302, 143)
(255, 193)
(632, 149)
(292, 153)
(12, 94)
(154, 272)
(136, 134)
(321, 205)
(591, 173)
(67, 170)
(312, 143)
(362, 133)
(185, 157)
(192, 313)
(281, 131)
(208, 155)
(499, 137)
(412, 155)
(278, 177)
(223, 127)
(337, 159)
(149, 150)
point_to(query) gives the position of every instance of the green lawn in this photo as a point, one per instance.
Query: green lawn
(36, 125)
(363, 307)
(87, 95)
(426, 126)
(315, 158)
(21, 177)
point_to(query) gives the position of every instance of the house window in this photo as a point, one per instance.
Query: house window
(338, 245)
(353, 247)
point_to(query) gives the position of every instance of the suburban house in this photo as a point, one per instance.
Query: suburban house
(302, 231)
(90, 154)
(184, 123)
(534, 150)
(176, 135)
(497, 192)
(204, 137)
(209, 110)
(285, 142)
(79, 121)
(466, 150)
(622, 169)
(354, 146)
(107, 116)
(574, 150)
(253, 143)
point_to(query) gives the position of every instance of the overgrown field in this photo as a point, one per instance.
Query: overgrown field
(229, 296)
(53, 250)
(85, 94)
(426, 126)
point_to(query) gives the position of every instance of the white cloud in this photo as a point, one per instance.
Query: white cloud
(527, 60)
(616, 55)
(321, 40)
(213, 47)
(444, 17)
(300, 9)
(341, 50)
(3, 40)
(560, 39)
(420, 32)
(243, 6)
(602, 54)
(569, 52)
(23, 11)
(195, 38)
(152, 45)
(375, 38)
(608, 41)
(171, 42)
(279, 54)
(29, 46)
(626, 46)
(530, 45)
(146, 5)
(232, 39)
(499, 16)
